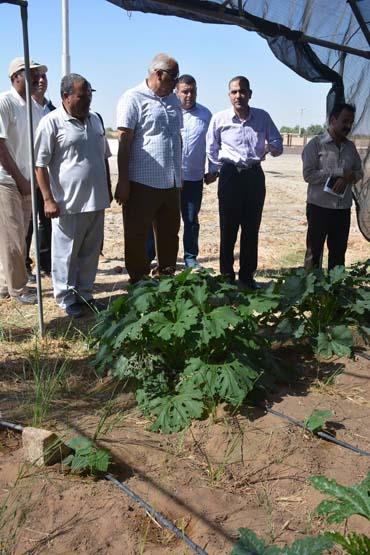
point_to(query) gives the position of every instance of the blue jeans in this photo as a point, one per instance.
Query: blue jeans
(191, 200)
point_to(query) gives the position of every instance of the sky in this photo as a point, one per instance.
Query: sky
(113, 48)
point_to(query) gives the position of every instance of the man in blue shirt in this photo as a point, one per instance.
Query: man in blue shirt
(196, 119)
(238, 140)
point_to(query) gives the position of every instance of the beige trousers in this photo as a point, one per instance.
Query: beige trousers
(15, 214)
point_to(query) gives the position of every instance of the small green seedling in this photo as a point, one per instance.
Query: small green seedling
(86, 456)
(317, 420)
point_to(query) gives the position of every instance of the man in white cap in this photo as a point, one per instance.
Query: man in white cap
(15, 188)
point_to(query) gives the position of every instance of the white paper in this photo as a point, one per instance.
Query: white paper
(328, 187)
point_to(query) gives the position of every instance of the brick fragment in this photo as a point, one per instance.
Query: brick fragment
(42, 447)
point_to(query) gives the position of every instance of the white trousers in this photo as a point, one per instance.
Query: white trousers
(75, 248)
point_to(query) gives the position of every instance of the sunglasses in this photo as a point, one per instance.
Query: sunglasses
(174, 77)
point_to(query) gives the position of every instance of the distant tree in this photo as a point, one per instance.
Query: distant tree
(314, 129)
(286, 129)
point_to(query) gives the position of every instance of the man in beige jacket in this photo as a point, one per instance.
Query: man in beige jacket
(15, 189)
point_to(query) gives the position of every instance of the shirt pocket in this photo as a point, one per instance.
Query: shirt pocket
(74, 142)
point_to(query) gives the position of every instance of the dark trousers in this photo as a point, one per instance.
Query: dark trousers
(44, 232)
(191, 200)
(241, 196)
(148, 206)
(332, 225)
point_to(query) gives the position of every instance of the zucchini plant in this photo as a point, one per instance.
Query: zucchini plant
(190, 341)
(323, 308)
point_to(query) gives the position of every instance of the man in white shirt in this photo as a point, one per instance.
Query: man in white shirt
(149, 121)
(71, 143)
(15, 188)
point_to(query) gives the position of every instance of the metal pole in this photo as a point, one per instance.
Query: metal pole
(66, 59)
(24, 17)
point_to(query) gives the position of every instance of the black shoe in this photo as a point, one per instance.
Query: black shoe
(28, 297)
(250, 285)
(31, 278)
(93, 304)
(74, 310)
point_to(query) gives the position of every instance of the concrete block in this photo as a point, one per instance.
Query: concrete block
(42, 447)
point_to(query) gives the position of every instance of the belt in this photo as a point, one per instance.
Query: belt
(241, 169)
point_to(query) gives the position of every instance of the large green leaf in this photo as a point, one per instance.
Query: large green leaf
(260, 303)
(335, 341)
(217, 321)
(352, 543)
(174, 413)
(250, 544)
(337, 274)
(132, 331)
(297, 287)
(230, 381)
(199, 295)
(346, 501)
(175, 324)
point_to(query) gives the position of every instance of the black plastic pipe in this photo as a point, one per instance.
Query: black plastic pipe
(11, 426)
(158, 516)
(363, 355)
(323, 435)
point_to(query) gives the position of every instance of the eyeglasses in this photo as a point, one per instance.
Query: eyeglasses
(174, 78)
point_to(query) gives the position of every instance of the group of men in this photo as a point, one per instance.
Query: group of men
(166, 140)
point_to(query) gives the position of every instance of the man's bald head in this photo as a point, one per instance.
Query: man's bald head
(163, 74)
(164, 62)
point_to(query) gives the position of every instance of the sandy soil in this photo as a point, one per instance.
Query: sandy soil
(249, 469)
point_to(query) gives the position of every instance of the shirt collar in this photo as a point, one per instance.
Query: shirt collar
(192, 109)
(67, 117)
(144, 87)
(17, 96)
(327, 138)
(234, 117)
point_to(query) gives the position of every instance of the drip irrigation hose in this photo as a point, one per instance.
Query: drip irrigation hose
(158, 516)
(155, 514)
(11, 426)
(323, 435)
(363, 355)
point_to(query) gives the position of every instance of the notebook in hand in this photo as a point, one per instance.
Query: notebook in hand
(329, 184)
